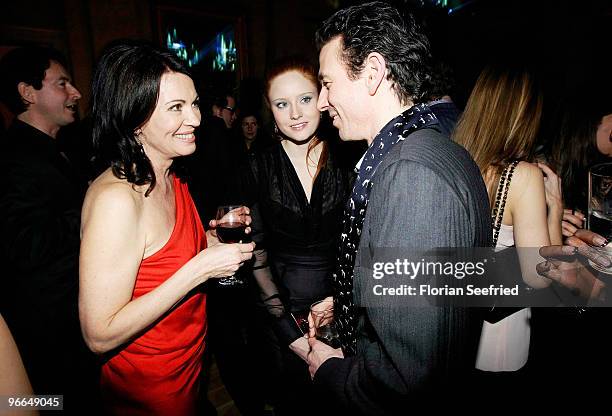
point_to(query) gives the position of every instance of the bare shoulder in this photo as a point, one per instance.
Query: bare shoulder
(112, 196)
(527, 172)
(526, 177)
(527, 181)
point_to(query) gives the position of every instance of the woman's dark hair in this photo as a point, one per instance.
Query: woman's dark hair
(575, 149)
(379, 27)
(125, 91)
(307, 69)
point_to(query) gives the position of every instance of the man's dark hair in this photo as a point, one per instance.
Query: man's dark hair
(124, 94)
(26, 64)
(220, 99)
(379, 27)
(249, 112)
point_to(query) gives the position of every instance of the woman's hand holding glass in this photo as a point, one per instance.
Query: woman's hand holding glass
(321, 322)
(231, 227)
(241, 211)
(323, 338)
(221, 260)
(572, 221)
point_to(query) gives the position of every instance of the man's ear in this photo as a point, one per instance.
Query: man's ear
(375, 71)
(26, 91)
(216, 110)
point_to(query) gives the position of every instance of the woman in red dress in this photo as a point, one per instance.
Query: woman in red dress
(143, 251)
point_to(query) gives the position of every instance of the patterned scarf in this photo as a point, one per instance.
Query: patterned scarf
(411, 120)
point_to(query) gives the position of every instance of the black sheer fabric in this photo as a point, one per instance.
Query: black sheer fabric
(298, 236)
(283, 220)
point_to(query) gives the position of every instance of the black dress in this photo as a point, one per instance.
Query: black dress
(300, 240)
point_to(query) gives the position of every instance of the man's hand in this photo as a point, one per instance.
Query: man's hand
(319, 353)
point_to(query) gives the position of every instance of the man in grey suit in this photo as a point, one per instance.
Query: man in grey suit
(415, 189)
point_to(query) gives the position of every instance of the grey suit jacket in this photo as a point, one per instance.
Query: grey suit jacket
(427, 193)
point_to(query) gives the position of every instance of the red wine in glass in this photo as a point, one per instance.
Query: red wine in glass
(231, 232)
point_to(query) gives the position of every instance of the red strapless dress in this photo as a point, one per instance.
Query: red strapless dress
(158, 373)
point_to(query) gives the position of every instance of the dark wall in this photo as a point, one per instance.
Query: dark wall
(567, 39)
(81, 29)
(564, 40)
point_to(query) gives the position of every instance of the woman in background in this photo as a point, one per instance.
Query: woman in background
(143, 251)
(574, 340)
(250, 129)
(251, 137)
(584, 140)
(499, 128)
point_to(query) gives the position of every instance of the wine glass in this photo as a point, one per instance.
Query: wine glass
(325, 328)
(599, 219)
(231, 227)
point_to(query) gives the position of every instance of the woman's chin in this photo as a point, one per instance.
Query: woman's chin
(300, 139)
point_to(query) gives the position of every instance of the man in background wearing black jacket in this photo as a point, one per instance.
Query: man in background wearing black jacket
(40, 205)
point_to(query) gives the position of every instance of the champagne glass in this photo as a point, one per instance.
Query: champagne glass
(230, 229)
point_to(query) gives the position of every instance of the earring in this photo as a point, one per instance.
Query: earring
(275, 128)
(137, 133)
(140, 146)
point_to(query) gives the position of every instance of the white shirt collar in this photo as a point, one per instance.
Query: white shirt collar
(358, 165)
